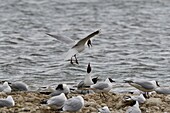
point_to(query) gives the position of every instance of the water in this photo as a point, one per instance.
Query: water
(133, 43)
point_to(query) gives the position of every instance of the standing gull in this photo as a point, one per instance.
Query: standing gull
(88, 81)
(145, 86)
(102, 87)
(73, 104)
(8, 102)
(77, 47)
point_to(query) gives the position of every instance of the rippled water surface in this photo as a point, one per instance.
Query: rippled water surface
(134, 41)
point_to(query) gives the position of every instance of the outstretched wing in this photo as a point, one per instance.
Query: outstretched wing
(61, 38)
(84, 40)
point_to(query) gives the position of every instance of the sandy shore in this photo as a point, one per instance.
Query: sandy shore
(29, 102)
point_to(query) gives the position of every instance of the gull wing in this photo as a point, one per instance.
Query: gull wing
(80, 85)
(61, 38)
(100, 86)
(56, 92)
(133, 109)
(84, 40)
(72, 104)
(163, 90)
(4, 103)
(145, 84)
(19, 86)
(56, 101)
(1, 88)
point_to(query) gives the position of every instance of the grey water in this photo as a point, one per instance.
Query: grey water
(134, 42)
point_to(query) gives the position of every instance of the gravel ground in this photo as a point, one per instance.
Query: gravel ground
(29, 102)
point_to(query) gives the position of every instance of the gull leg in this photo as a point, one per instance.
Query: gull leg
(71, 60)
(104, 95)
(147, 95)
(76, 59)
(100, 95)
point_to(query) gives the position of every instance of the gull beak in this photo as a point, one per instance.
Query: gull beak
(89, 43)
(157, 84)
(88, 68)
(111, 80)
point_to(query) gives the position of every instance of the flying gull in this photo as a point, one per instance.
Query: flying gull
(77, 47)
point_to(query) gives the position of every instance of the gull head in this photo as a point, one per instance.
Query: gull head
(111, 80)
(5, 84)
(88, 68)
(81, 99)
(95, 80)
(6, 87)
(59, 87)
(66, 89)
(89, 43)
(157, 84)
(10, 99)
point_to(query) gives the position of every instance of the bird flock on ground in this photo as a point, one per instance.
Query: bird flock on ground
(58, 97)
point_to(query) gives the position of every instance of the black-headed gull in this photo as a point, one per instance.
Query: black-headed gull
(87, 79)
(144, 85)
(19, 86)
(77, 47)
(61, 88)
(134, 109)
(73, 104)
(102, 87)
(140, 98)
(7, 102)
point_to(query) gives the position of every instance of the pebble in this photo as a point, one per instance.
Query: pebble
(154, 102)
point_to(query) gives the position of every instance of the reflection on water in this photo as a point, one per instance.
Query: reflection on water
(134, 40)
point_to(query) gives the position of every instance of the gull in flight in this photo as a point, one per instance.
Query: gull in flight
(8, 102)
(77, 47)
(73, 104)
